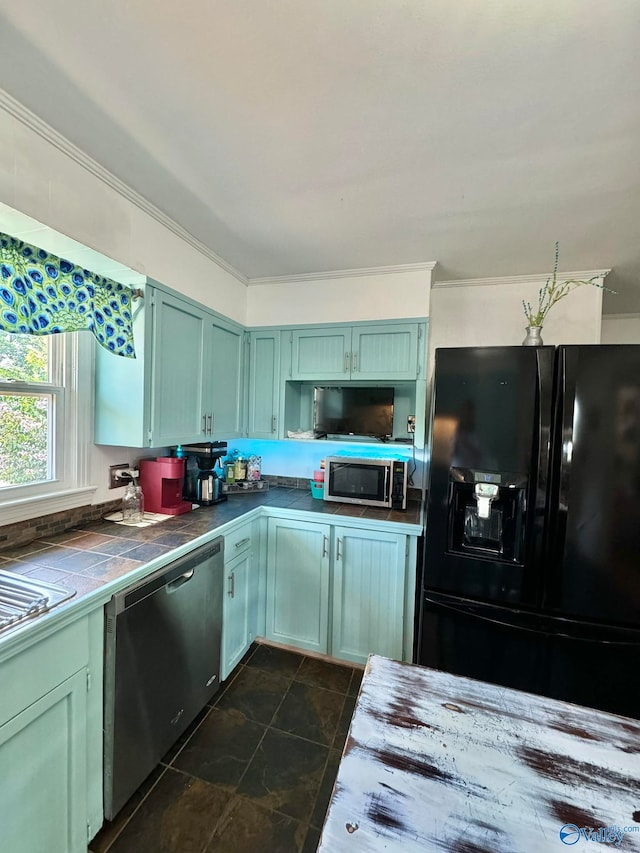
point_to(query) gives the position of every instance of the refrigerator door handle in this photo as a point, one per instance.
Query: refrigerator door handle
(560, 471)
(540, 494)
(463, 610)
(600, 641)
(542, 626)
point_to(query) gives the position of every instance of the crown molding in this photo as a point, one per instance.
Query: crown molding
(24, 115)
(634, 316)
(538, 278)
(427, 266)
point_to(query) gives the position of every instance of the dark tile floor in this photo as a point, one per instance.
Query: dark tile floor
(255, 771)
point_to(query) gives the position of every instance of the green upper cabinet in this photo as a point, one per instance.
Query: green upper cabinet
(385, 352)
(321, 354)
(185, 384)
(180, 402)
(264, 384)
(381, 352)
(224, 366)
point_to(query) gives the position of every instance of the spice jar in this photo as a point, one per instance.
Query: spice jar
(254, 466)
(241, 468)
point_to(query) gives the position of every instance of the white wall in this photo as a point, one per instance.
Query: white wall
(45, 182)
(40, 180)
(620, 329)
(489, 312)
(399, 293)
(44, 177)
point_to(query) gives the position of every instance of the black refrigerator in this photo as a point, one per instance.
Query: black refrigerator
(531, 564)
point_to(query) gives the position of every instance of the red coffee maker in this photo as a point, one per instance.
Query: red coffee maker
(161, 480)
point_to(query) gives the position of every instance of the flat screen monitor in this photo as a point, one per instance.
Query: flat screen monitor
(353, 411)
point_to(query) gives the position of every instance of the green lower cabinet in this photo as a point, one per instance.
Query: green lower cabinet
(43, 765)
(298, 566)
(368, 594)
(336, 590)
(237, 630)
(51, 704)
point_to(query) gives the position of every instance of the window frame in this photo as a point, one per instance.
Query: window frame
(72, 358)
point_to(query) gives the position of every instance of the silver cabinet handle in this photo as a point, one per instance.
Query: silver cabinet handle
(232, 586)
(325, 543)
(209, 424)
(338, 548)
(354, 361)
(243, 542)
(273, 423)
(204, 424)
(346, 362)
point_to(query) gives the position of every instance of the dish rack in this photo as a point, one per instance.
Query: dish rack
(22, 597)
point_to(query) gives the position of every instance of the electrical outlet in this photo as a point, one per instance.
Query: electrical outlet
(411, 423)
(114, 481)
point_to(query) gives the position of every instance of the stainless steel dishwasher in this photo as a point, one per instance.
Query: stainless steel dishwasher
(162, 665)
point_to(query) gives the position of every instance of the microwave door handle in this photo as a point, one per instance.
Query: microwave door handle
(386, 483)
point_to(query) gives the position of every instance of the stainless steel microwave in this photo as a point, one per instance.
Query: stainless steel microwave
(373, 482)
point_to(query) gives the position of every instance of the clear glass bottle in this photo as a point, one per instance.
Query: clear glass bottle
(132, 504)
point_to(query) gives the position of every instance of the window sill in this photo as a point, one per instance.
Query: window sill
(24, 509)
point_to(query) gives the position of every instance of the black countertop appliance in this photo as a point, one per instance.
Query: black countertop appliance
(202, 484)
(531, 575)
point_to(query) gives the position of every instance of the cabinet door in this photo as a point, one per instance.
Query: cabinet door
(264, 384)
(178, 372)
(224, 365)
(43, 765)
(237, 631)
(298, 583)
(368, 594)
(321, 354)
(385, 352)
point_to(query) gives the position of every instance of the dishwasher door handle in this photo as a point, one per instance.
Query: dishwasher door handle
(175, 585)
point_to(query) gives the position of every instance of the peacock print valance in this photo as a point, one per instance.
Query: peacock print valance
(41, 294)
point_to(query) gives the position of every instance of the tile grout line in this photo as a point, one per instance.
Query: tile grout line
(170, 766)
(134, 812)
(228, 806)
(306, 825)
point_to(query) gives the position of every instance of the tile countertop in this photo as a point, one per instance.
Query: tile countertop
(89, 559)
(437, 762)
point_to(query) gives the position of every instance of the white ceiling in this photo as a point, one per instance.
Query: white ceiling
(297, 136)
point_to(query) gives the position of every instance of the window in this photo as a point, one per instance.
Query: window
(45, 402)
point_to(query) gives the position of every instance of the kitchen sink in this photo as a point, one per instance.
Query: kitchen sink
(22, 598)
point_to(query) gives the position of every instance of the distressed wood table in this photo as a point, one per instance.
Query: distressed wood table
(436, 762)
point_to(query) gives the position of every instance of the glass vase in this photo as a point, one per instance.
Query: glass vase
(532, 338)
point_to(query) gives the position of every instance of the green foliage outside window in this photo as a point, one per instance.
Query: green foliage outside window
(24, 417)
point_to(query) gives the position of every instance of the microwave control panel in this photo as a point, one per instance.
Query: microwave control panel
(399, 485)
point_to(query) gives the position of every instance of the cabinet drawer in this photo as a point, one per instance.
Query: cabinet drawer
(34, 672)
(237, 542)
